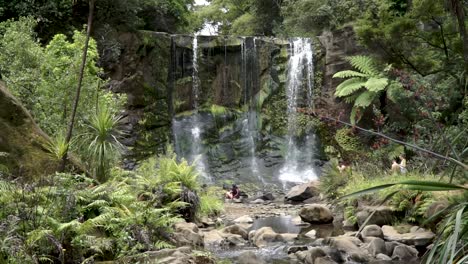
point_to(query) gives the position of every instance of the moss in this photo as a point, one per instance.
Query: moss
(347, 141)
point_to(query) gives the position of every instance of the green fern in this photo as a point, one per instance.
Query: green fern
(362, 87)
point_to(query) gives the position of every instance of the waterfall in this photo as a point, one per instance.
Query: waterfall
(249, 123)
(188, 130)
(297, 166)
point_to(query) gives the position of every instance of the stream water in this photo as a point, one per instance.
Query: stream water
(277, 253)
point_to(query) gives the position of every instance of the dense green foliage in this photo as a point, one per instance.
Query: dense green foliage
(69, 218)
(44, 78)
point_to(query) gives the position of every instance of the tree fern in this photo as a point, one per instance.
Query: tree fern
(362, 87)
(349, 86)
(365, 64)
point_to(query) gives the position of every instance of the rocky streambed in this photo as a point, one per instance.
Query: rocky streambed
(271, 229)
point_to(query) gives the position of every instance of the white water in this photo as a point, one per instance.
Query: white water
(297, 166)
(197, 156)
(249, 132)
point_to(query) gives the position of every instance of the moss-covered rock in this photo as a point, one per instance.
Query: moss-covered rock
(22, 143)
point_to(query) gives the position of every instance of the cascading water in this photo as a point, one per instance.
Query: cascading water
(195, 152)
(298, 162)
(249, 123)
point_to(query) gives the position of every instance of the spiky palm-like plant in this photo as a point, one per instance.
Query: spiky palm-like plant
(103, 141)
(362, 87)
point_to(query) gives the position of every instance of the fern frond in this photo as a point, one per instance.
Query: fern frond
(365, 64)
(349, 86)
(70, 225)
(97, 204)
(162, 245)
(376, 84)
(349, 74)
(36, 235)
(365, 99)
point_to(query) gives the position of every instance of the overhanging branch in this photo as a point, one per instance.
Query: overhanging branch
(440, 156)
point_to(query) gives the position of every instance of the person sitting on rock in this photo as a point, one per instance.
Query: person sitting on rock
(395, 166)
(234, 193)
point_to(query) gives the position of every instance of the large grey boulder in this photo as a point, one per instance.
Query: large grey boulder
(316, 213)
(383, 215)
(188, 234)
(302, 192)
(372, 231)
(350, 246)
(212, 238)
(236, 229)
(376, 246)
(420, 237)
(263, 236)
(404, 252)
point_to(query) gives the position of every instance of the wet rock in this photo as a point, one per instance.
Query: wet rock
(233, 240)
(316, 213)
(266, 197)
(188, 234)
(287, 237)
(404, 252)
(170, 256)
(390, 246)
(420, 238)
(383, 215)
(302, 192)
(324, 260)
(348, 225)
(206, 222)
(313, 254)
(249, 257)
(383, 257)
(376, 246)
(297, 221)
(294, 249)
(349, 245)
(372, 231)
(236, 229)
(334, 254)
(263, 236)
(244, 219)
(257, 201)
(238, 200)
(311, 234)
(212, 238)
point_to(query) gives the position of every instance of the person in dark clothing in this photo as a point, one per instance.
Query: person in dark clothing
(234, 193)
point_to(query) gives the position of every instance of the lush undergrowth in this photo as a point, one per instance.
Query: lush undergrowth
(69, 218)
(416, 197)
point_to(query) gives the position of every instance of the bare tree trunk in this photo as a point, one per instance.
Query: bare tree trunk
(78, 88)
(457, 8)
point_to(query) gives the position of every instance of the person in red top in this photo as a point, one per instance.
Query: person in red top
(234, 193)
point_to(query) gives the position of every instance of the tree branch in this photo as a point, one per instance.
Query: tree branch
(440, 156)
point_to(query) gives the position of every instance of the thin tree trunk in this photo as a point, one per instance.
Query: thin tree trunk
(78, 88)
(457, 8)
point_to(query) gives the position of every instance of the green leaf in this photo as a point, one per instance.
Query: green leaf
(349, 86)
(349, 74)
(369, 190)
(376, 84)
(365, 99)
(365, 64)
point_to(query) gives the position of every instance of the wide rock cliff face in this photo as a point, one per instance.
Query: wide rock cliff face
(22, 143)
(221, 101)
